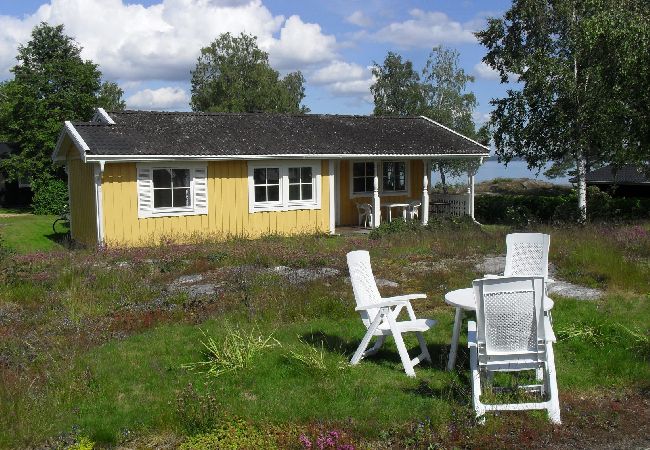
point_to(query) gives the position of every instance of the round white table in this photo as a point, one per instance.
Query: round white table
(463, 300)
(389, 208)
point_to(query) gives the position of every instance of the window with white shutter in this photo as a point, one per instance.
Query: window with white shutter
(172, 189)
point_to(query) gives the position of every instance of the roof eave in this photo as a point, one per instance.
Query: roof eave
(144, 158)
(79, 143)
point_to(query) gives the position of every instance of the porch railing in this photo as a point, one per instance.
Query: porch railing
(449, 204)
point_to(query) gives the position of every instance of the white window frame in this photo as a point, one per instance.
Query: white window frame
(192, 210)
(380, 178)
(285, 204)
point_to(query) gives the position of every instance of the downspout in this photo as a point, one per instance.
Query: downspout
(99, 202)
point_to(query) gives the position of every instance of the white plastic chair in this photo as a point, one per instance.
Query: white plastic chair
(365, 214)
(413, 209)
(527, 255)
(511, 333)
(379, 315)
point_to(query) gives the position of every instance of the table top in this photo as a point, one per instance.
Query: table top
(394, 205)
(464, 298)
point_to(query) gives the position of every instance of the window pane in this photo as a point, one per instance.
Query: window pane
(273, 193)
(181, 177)
(305, 174)
(401, 177)
(259, 176)
(294, 192)
(294, 174)
(306, 191)
(359, 184)
(370, 184)
(387, 169)
(389, 184)
(370, 169)
(162, 198)
(162, 178)
(181, 197)
(358, 169)
(273, 175)
(260, 193)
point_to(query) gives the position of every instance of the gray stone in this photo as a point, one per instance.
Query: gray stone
(385, 283)
(188, 279)
(570, 290)
(301, 276)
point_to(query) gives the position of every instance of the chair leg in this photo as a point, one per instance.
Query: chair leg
(366, 339)
(375, 348)
(554, 401)
(401, 348)
(423, 347)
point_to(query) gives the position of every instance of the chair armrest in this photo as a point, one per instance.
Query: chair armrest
(471, 334)
(405, 297)
(491, 276)
(387, 303)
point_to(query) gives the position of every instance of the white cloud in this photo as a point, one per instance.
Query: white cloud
(338, 71)
(162, 41)
(300, 43)
(359, 19)
(343, 79)
(486, 72)
(165, 98)
(426, 29)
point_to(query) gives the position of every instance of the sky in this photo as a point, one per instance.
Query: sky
(149, 47)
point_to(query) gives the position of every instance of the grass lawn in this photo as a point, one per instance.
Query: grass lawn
(90, 352)
(26, 232)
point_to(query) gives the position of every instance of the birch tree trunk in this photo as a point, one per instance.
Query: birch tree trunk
(581, 164)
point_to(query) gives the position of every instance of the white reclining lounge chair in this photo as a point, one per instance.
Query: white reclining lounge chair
(512, 333)
(379, 315)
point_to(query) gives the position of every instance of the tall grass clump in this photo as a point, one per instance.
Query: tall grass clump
(235, 352)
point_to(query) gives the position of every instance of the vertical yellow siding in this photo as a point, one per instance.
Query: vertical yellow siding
(227, 209)
(349, 215)
(82, 202)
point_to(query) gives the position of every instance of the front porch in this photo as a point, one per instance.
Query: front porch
(391, 185)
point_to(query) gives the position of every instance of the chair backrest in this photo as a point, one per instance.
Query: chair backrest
(510, 317)
(363, 284)
(527, 255)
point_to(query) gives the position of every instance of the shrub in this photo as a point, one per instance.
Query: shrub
(50, 195)
(398, 225)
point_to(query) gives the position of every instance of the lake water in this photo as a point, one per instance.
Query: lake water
(491, 169)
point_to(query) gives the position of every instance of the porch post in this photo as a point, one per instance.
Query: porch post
(332, 196)
(376, 208)
(425, 192)
(470, 193)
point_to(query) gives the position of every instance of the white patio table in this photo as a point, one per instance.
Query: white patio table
(463, 300)
(389, 208)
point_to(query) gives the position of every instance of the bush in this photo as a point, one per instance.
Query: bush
(522, 210)
(50, 195)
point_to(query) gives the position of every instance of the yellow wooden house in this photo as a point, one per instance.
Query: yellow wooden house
(138, 177)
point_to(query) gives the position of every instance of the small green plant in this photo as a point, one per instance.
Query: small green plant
(196, 413)
(83, 443)
(231, 435)
(236, 351)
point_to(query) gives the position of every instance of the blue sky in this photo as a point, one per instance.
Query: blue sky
(149, 47)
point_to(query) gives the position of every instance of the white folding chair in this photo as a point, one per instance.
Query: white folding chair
(365, 214)
(413, 209)
(511, 333)
(379, 315)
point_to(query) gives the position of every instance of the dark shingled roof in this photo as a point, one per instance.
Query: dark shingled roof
(230, 134)
(627, 174)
